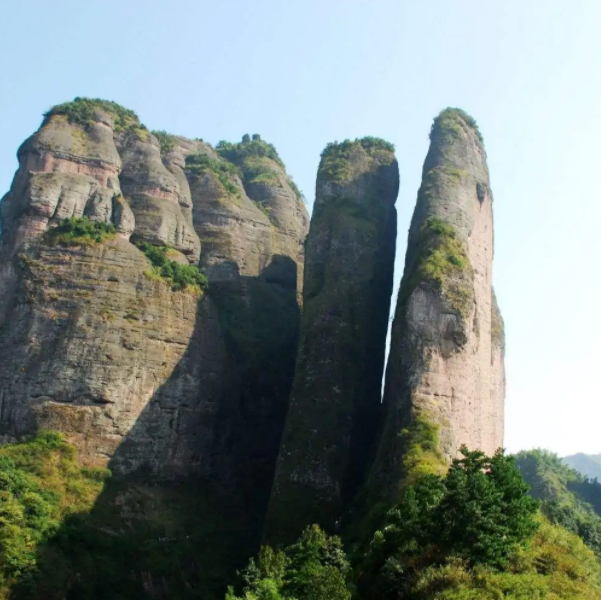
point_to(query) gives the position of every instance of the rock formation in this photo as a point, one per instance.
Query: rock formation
(445, 380)
(207, 394)
(138, 375)
(335, 400)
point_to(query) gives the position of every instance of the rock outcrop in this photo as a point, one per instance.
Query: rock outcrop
(335, 400)
(270, 419)
(445, 380)
(93, 343)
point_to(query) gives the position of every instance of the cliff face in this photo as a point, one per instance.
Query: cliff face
(139, 375)
(335, 400)
(445, 379)
(108, 335)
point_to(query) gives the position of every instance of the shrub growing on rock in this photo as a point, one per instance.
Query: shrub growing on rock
(80, 232)
(178, 276)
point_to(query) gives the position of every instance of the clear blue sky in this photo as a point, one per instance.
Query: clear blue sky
(306, 73)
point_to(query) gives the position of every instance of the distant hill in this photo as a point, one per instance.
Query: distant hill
(587, 464)
(568, 498)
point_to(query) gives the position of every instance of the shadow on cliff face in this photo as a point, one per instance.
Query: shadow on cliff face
(191, 482)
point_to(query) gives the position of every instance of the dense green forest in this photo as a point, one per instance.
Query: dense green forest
(491, 528)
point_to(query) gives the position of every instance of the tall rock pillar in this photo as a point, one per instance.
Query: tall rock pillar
(335, 402)
(445, 379)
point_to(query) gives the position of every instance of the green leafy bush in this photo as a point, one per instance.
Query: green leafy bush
(296, 190)
(81, 112)
(368, 143)
(315, 568)
(253, 157)
(554, 566)
(178, 276)
(80, 232)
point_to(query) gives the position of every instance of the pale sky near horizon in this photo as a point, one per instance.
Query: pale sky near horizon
(303, 74)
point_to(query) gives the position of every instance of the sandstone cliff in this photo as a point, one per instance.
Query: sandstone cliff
(445, 381)
(195, 397)
(143, 377)
(335, 400)
(134, 372)
(156, 381)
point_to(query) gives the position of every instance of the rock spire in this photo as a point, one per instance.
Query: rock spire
(335, 401)
(445, 376)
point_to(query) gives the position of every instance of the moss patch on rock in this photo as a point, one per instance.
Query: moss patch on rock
(440, 259)
(80, 232)
(497, 326)
(421, 444)
(259, 170)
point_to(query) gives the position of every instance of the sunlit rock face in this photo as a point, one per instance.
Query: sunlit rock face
(445, 382)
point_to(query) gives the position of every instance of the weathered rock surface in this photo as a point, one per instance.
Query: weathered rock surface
(160, 200)
(140, 377)
(445, 379)
(263, 196)
(95, 349)
(218, 389)
(335, 400)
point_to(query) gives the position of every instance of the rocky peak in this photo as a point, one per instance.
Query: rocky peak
(109, 335)
(110, 350)
(335, 400)
(445, 380)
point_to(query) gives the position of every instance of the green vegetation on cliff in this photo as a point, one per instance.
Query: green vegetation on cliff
(450, 122)
(497, 326)
(335, 156)
(166, 140)
(479, 514)
(74, 532)
(255, 147)
(440, 258)
(421, 450)
(255, 157)
(178, 276)
(474, 534)
(224, 171)
(80, 232)
(82, 111)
